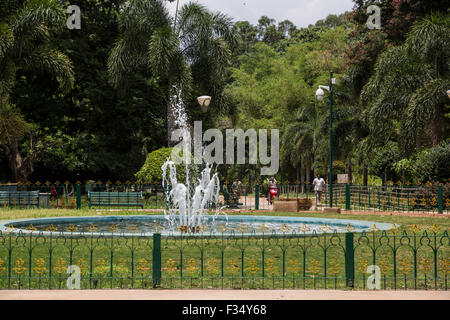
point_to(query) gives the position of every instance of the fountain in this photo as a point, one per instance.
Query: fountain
(188, 209)
(186, 204)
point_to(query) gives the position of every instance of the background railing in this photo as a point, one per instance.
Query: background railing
(287, 258)
(427, 198)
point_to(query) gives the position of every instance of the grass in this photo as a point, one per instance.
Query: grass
(300, 262)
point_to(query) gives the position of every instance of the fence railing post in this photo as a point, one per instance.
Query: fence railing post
(440, 200)
(347, 197)
(156, 260)
(349, 259)
(257, 197)
(78, 196)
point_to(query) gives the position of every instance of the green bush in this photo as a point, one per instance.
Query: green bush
(151, 171)
(433, 164)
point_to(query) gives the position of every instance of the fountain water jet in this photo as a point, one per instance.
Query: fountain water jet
(187, 203)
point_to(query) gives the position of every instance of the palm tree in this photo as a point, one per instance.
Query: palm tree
(303, 142)
(406, 96)
(25, 47)
(193, 47)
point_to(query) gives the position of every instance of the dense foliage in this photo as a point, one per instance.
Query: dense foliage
(94, 103)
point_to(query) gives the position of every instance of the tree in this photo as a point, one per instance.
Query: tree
(406, 96)
(26, 46)
(192, 48)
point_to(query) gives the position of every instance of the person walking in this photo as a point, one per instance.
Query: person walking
(319, 184)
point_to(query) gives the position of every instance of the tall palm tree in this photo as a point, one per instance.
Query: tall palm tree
(193, 47)
(406, 96)
(26, 28)
(304, 140)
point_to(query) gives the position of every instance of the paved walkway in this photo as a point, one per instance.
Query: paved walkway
(220, 295)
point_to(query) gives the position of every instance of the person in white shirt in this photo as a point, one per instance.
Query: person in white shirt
(318, 184)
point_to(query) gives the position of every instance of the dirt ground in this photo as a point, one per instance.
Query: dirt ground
(220, 295)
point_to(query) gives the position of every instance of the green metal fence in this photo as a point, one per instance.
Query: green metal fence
(286, 258)
(428, 198)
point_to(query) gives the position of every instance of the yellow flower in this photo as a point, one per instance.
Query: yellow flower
(170, 266)
(252, 266)
(142, 266)
(92, 228)
(222, 228)
(2, 267)
(71, 228)
(157, 227)
(60, 266)
(414, 228)
(314, 267)
(304, 228)
(211, 266)
(233, 267)
(113, 228)
(51, 228)
(405, 266)
(363, 263)
(82, 265)
(435, 228)
(284, 228)
(384, 263)
(19, 268)
(122, 266)
(271, 268)
(242, 228)
(349, 228)
(31, 228)
(447, 202)
(433, 202)
(192, 266)
(40, 266)
(133, 228)
(335, 266)
(293, 266)
(444, 266)
(425, 265)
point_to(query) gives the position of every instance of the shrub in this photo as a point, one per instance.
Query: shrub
(151, 171)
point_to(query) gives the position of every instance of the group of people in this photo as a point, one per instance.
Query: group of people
(318, 183)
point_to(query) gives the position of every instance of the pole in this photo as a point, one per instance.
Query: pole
(78, 196)
(330, 181)
(156, 260)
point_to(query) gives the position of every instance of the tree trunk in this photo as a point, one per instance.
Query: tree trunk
(308, 173)
(21, 169)
(436, 127)
(302, 177)
(349, 172)
(365, 175)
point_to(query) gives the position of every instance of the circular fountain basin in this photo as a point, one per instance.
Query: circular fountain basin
(221, 224)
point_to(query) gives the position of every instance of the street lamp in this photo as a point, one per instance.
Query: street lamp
(204, 102)
(320, 94)
(448, 93)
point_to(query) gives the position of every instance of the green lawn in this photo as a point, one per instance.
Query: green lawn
(406, 261)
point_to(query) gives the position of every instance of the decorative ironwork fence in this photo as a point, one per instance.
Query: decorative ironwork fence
(413, 259)
(430, 197)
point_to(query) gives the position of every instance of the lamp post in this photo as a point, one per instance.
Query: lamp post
(448, 93)
(320, 95)
(204, 102)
